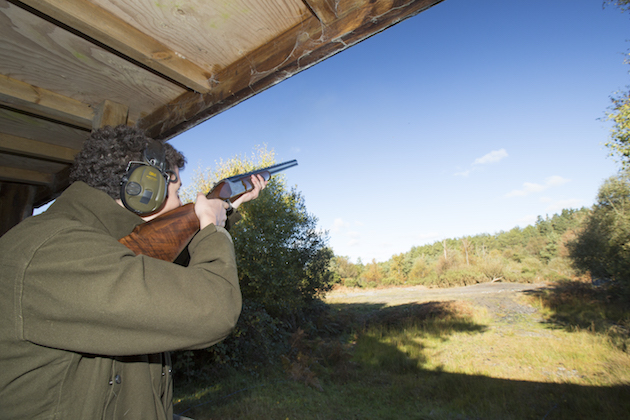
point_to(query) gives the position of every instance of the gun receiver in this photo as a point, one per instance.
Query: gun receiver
(233, 187)
(166, 236)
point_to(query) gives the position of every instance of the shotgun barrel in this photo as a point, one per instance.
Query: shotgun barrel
(166, 236)
(233, 187)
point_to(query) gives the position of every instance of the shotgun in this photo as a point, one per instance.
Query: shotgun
(166, 236)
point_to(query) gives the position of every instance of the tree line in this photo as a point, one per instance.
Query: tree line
(535, 253)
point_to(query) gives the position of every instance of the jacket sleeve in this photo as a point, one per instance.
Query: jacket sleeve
(85, 292)
(233, 217)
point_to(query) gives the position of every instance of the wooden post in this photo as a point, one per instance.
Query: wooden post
(110, 113)
(16, 204)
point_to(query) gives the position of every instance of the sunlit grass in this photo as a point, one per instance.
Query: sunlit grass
(527, 350)
(437, 360)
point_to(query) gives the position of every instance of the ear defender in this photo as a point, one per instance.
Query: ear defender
(143, 188)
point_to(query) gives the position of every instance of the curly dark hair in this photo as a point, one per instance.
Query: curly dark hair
(103, 160)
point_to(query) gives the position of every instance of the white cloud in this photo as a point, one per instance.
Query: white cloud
(531, 188)
(555, 181)
(494, 156)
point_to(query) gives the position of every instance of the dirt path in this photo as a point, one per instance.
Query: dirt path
(501, 299)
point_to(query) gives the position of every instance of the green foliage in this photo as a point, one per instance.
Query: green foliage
(623, 5)
(619, 114)
(282, 258)
(283, 265)
(344, 268)
(603, 246)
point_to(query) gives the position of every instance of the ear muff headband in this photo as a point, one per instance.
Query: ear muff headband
(143, 189)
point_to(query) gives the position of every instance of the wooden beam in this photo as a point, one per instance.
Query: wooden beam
(37, 149)
(24, 176)
(38, 101)
(296, 50)
(324, 10)
(106, 28)
(110, 113)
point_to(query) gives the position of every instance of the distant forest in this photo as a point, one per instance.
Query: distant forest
(536, 253)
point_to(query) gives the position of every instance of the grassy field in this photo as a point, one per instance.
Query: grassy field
(556, 353)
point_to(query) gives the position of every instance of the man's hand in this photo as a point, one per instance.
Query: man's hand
(210, 211)
(213, 210)
(259, 184)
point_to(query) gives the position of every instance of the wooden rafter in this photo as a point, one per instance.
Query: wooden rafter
(102, 26)
(37, 149)
(325, 10)
(19, 175)
(25, 97)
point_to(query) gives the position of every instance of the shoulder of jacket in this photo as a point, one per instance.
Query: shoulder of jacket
(32, 233)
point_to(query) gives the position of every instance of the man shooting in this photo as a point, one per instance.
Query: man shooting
(85, 324)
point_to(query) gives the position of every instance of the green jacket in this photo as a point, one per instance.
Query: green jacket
(85, 325)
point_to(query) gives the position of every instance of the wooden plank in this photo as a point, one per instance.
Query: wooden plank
(27, 126)
(25, 97)
(324, 10)
(110, 113)
(37, 149)
(296, 50)
(104, 27)
(25, 176)
(34, 164)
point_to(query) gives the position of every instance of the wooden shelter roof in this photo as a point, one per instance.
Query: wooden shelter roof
(67, 66)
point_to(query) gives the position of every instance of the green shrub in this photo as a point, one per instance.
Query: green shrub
(257, 340)
(351, 282)
(492, 268)
(391, 281)
(461, 277)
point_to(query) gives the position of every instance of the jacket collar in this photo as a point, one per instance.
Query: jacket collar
(96, 209)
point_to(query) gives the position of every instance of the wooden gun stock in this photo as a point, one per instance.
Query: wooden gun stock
(166, 236)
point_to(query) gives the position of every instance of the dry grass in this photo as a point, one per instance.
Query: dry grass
(440, 360)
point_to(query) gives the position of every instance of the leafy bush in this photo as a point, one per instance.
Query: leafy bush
(257, 340)
(283, 266)
(461, 277)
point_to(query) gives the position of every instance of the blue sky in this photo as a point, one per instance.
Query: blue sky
(472, 117)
